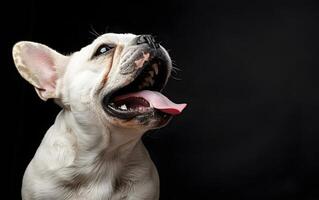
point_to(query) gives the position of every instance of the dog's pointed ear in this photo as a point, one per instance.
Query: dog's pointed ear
(41, 66)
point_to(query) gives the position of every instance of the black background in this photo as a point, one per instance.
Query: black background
(249, 75)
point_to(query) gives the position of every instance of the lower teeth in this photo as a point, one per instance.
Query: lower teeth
(123, 107)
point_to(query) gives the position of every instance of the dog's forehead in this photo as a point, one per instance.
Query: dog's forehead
(115, 38)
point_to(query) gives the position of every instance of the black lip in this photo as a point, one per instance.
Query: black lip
(158, 86)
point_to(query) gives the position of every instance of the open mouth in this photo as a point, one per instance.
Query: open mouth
(142, 96)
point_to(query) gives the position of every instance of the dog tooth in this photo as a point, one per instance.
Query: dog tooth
(123, 107)
(148, 79)
(146, 84)
(145, 80)
(152, 82)
(155, 67)
(151, 73)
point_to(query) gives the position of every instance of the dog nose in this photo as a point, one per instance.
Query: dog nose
(148, 39)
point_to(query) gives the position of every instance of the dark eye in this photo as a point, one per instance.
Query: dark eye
(103, 49)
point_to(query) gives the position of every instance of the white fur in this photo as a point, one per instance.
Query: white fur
(86, 154)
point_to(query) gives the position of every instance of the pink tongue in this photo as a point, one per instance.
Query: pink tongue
(156, 100)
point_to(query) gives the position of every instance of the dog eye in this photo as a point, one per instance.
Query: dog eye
(103, 49)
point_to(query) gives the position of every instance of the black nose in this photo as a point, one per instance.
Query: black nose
(148, 39)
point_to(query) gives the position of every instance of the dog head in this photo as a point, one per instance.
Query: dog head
(117, 79)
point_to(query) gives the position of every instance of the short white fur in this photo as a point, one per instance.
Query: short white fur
(84, 155)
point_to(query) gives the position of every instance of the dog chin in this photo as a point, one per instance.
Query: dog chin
(154, 120)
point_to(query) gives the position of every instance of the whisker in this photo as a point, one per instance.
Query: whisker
(175, 78)
(176, 67)
(94, 32)
(174, 72)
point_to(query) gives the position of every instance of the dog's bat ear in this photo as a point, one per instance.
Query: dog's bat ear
(41, 66)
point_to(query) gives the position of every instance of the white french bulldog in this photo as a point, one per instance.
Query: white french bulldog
(109, 92)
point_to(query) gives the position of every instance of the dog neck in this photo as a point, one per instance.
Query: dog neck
(93, 140)
(102, 155)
